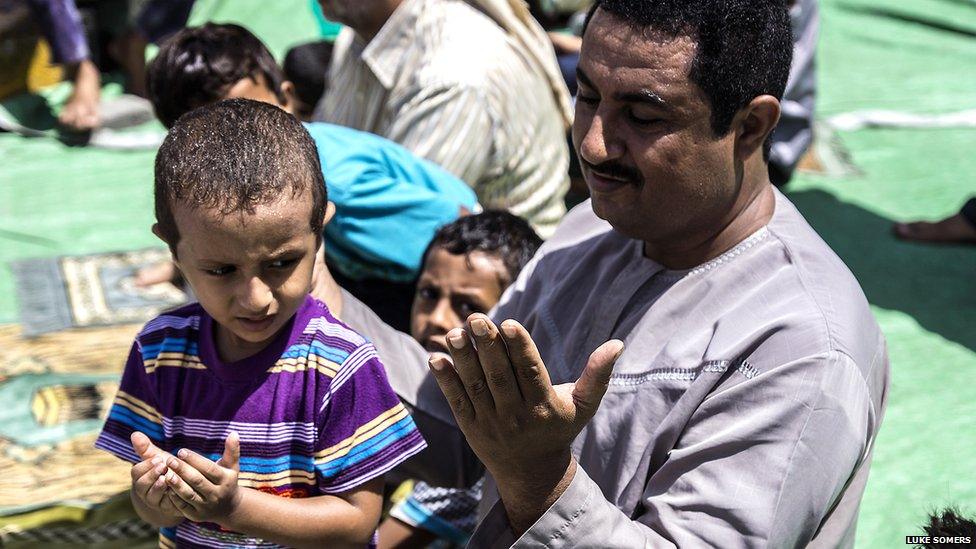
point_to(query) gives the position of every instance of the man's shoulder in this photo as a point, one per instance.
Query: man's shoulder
(460, 45)
(578, 228)
(810, 293)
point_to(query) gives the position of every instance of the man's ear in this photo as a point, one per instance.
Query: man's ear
(754, 123)
(329, 213)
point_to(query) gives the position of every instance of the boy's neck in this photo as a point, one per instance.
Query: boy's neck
(230, 349)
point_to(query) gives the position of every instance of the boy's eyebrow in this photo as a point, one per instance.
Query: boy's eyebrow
(470, 291)
(283, 251)
(275, 255)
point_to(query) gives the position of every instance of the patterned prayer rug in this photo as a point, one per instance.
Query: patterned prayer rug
(93, 290)
(55, 487)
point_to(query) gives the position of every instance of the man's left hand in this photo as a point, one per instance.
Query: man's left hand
(516, 421)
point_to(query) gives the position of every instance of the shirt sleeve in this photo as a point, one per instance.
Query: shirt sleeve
(448, 125)
(761, 463)
(134, 409)
(60, 23)
(364, 430)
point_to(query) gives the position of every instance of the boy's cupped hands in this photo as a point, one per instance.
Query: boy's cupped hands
(149, 478)
(187, 485)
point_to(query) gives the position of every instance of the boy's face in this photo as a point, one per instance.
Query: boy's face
(258, 89)
(250, 271)
(451, 288)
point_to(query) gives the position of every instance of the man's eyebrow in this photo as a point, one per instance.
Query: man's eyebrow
(585, 80)
(641, 96)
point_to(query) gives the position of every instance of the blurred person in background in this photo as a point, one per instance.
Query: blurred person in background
(473, 87)
(60, 23)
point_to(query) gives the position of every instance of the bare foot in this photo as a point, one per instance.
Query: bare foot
(157, 274)
(955, 229)
(80, 113)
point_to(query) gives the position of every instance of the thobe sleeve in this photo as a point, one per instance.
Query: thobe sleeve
(760, 463)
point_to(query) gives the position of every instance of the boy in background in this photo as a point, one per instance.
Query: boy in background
(254, 415)
(466, 268)
(388, 201)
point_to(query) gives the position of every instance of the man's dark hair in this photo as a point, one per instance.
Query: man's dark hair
(744, 47)
(949, 523)
(232, 156)
(493, 232)
(198, 65)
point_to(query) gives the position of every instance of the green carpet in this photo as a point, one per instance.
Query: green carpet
(917, 57)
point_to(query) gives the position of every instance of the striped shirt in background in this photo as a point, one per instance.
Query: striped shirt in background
(313, 410)
(447, 82)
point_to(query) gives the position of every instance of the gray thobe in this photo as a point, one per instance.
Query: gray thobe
(742, 412)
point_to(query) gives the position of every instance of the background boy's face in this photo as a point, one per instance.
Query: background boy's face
(250, 271)
(259, 89)
(451, 288)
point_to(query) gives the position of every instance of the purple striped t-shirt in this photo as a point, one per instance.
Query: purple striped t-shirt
(314, 410)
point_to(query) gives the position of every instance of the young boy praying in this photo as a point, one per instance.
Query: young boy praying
(253, 417)
(378, 187)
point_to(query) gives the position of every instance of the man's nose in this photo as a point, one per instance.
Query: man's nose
(598, 143)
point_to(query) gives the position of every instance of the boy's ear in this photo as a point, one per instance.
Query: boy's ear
(291, 100)
(329, 213)
(159, 234)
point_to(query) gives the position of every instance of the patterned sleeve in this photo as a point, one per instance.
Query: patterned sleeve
(364, 430)
(134, 409)
(449, 513)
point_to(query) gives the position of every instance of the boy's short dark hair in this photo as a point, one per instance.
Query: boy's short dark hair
(234, 155)
(198, 65)
(744, 49)
(493, 232)
(307, 67)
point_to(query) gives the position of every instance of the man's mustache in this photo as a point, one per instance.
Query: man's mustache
(615, 170)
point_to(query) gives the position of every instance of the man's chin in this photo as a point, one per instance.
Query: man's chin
(611, 209)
